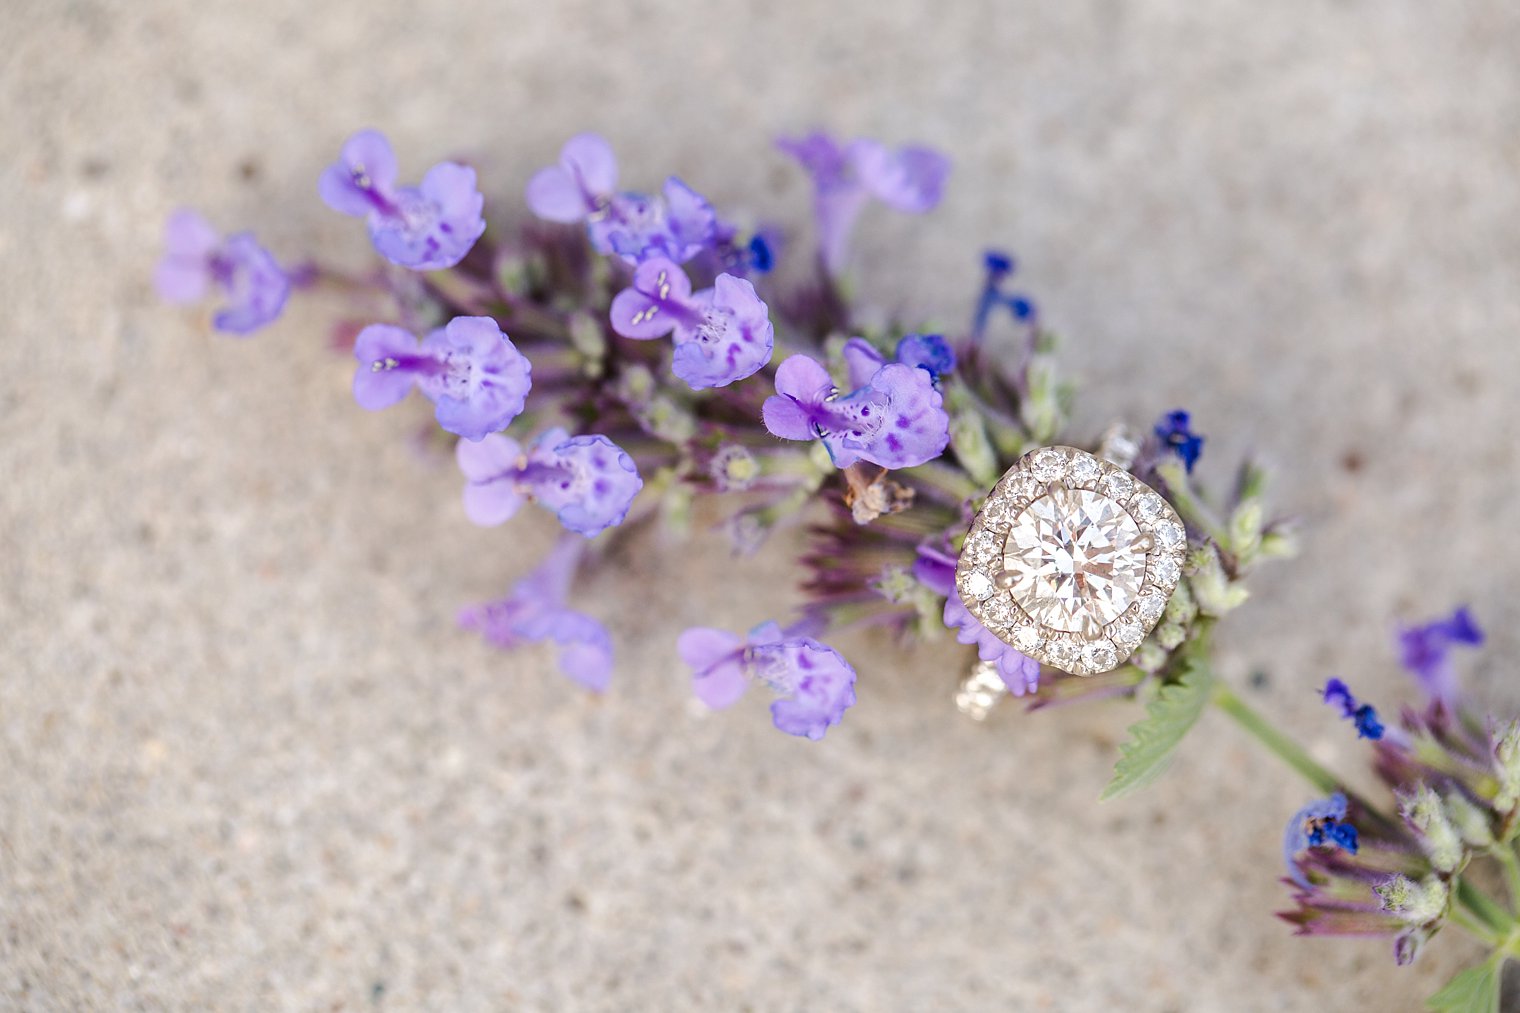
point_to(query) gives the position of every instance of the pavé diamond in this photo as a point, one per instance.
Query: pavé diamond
(1170, 534)
(1149, 506)
(1027, 638)
(1100, 656)
(1075, 557)
(1118, 485)
(1048, 465)
(977, 585)
(1164, 570)
(1084, 470)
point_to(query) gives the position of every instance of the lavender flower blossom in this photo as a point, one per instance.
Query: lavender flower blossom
(814, 683)
(468, 368)
(721, 334)
(1319, 824)
(929, 352)
(895, 421)
(1425, 652)
(1363, 715)
(588, 481)
(196, 259)
(580, 186)
(535, 611)
(910, 179)
(427, 227)
(1173, 431)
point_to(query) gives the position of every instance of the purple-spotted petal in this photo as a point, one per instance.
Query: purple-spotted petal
(915, 429)
(823, 687)
(481, 382)
(589, 481)
(733, 341)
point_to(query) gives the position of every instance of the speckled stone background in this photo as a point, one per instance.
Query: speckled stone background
(246, 761)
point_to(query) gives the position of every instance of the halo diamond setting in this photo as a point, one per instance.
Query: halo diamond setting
(1071, 560)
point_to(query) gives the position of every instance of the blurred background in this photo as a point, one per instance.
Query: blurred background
(247, 761)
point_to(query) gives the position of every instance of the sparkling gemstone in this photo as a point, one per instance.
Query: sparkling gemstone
(1127, 633)
(997, 512)
(1148, 506)
(1022, 486)
(1100, 656)
(981, 547)
(1048, 465)
(1164, 570)
(1074, 557)
(1170, 534)
(1118, 485)
(1062, 653)
(1084, 469)
(998, 611)
(1151, 606)
(1027, 638)
(977, 585)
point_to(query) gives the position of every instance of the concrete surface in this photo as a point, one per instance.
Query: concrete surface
(246, 761)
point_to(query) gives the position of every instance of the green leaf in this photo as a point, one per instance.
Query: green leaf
(1475, 990)
(1169, 715)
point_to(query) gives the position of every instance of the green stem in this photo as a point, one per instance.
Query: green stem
(1506, 857)
(1479, 930)
(1484, 906)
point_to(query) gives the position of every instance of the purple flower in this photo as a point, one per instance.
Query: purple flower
(1320, 824)
(721, 334)
(895, 421)
(1019, 673)
(638, 228)
(1424, 651)
(197, 259)
(814, 684)
(1363, 715)
(468, 368)
(999, 268)
(535, 611)
(427, 227)
(581, 185)
(928, 352)
(588, 481)
(910, 179)
(1173, 431)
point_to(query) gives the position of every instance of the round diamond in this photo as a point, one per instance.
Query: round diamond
(1074, 557)
(1164, 570)
(977, 585)
(998, 611)
(1118, 485)
(1062, 653)
(1127, 633)
(1084, 469)
(1149, 506)
(981, 547)
(997, 512)
(1100, 656)
(1151, 606)
(1028, 639)
(1048, 465)
(1021, 486)
(1170, 534)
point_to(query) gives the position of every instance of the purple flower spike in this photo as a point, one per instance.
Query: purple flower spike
(1363, 715)
(895, 421)
(1019, 673)
(535, 612)
(588, 481)
(581, 185)
(196, 259)
(468, 368)
(1319, 824)
(814, 683)
(427, 227)
(910, 179)
(1425, 651)
(721, 334)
